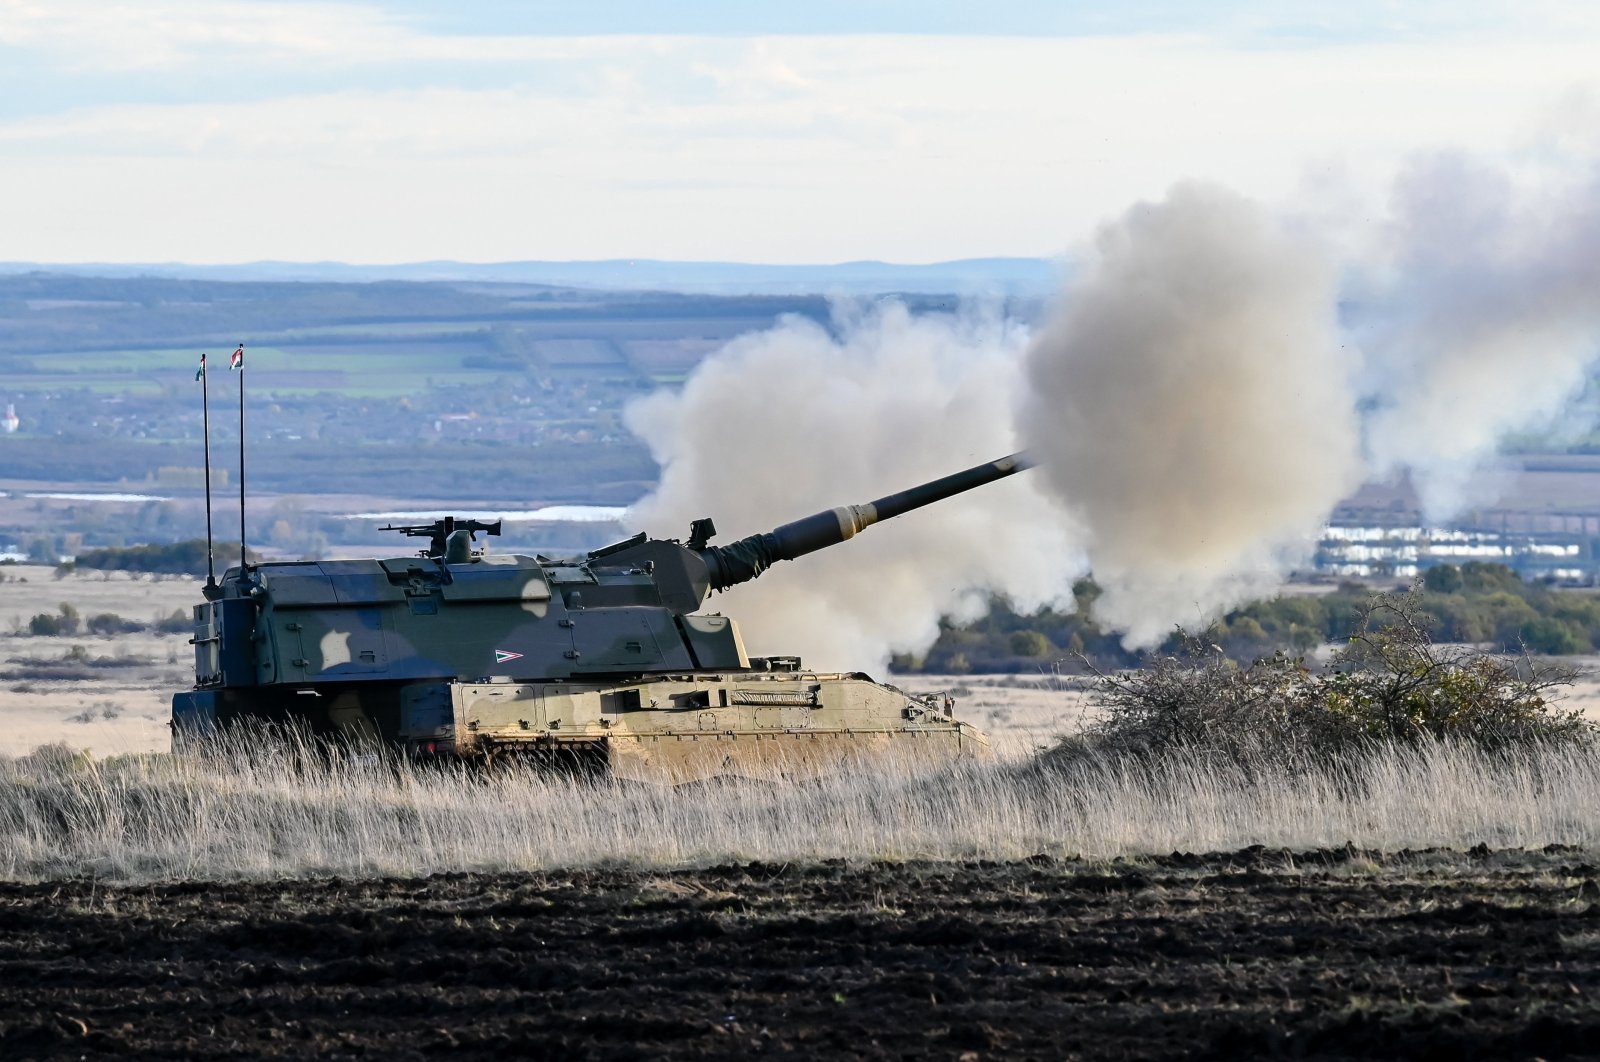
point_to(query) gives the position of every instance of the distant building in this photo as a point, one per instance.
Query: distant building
(1407, 551)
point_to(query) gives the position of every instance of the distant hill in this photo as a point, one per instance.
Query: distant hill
(999, 276)
(493, 390)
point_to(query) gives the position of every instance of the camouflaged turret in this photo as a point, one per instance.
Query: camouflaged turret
(603, 659)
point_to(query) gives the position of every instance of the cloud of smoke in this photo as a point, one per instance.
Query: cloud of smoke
(1191, 408)
(1195, 403)
(1481, 319)
(783, 423)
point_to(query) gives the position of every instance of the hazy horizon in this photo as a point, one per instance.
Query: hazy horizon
(1030, 277)
(392, 132)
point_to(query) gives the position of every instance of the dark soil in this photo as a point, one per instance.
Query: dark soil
(1328, 954)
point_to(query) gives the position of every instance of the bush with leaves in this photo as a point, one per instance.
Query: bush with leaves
(1030, 644)
(111, 623)
(47, 624)
(1390, 684)
(1393, 683)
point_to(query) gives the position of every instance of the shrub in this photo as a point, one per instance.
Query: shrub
(1553, 637)
(1390, 685)
(1030, 643)
(1393, 683)
(46, 624)
(1442, 579)
(111, 623)
(1245, 638)
(1487, 577)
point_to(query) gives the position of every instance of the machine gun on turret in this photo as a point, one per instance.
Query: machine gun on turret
(441, 534)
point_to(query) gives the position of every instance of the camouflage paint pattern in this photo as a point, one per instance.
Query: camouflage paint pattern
(602, 658)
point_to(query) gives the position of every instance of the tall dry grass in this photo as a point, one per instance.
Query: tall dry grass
(255, 808)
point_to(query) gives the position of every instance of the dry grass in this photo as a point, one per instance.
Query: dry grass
(28, 589)
(257, 811)
(53, 689)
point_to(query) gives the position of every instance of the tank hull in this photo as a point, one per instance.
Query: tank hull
(667, 729)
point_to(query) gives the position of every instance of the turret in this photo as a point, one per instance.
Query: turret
(455, 613)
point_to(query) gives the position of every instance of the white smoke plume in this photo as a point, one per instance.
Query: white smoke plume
(1482, 318)
(1191, 407)
(783, 423)
(1195, 404)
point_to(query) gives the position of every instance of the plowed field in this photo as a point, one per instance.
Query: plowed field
(1332, 953)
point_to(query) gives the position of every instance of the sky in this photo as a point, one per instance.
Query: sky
(225, 131)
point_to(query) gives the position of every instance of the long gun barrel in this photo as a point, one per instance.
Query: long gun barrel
(749, 557)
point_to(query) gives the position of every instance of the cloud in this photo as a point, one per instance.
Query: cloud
(807, 148)
(84, 35)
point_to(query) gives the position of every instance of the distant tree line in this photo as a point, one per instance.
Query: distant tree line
(166, 558)
(45, 312)
(1475, 603)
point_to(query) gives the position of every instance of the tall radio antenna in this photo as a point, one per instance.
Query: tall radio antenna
(237, 362)
(205, 430)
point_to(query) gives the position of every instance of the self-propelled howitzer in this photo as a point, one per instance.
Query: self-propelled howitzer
(602, 659)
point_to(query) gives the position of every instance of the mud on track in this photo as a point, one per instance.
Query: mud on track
(1333, 953)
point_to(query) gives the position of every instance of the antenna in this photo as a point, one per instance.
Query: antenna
(237, 362)
(205, 430)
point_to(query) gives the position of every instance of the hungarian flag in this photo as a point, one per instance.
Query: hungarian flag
(201, 371)
(237, 360)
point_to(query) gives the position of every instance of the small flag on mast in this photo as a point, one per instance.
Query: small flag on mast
(201, 371)
(237, 360)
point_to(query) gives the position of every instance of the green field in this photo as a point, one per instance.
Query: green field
(298, 369)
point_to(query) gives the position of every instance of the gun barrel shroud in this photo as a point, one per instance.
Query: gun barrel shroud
(749, 557)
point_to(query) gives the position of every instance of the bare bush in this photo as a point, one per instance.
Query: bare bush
(1391, 684)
